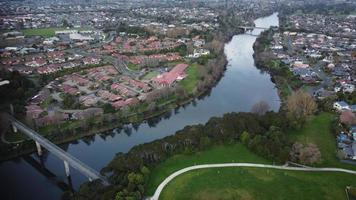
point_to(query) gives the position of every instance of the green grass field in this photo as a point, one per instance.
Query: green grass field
(45, 32)
(133, 67)
(317, 130)
(216, 154)
(238, 183)
(150, 75)
(190, 82)
(248, 183)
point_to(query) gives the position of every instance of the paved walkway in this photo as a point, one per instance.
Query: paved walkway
(179, 172)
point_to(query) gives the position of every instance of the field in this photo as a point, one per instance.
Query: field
(243, 183)
(217, 154)
(191, 80)
(248, 183)
(317, 130)
(150, 75)
(45, 32)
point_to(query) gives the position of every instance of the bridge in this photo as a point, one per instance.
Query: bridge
(68, 159)
(246, 28)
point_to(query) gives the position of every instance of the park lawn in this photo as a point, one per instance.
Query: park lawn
(317, 130)
(190, 82)
(216, 154)
(150, 75)
(45, 32)
(255, 183)
(133, 67)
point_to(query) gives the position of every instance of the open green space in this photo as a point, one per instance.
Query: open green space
(45, 32)
(249, 183)
(216, 154)
(133, 67)
(253, 183)
(190, 82)
(318, 130)
(150, 75)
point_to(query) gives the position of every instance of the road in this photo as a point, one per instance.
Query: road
(253, 165)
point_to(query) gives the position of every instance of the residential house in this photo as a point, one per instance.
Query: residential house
(341, 105)
(347, 117)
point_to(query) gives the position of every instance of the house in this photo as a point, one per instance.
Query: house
(168, 78)
(123, 103)
(91, 61)
(348, 88)
(122, 90)
(36, 63)
(347, 117)
(341, 105)
(88, 100)
(69, 89)
(353, 108)
(33, 111)
(79, 80)
(322, 93)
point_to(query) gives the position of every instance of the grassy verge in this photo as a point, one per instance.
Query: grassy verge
(248, 183)
(217, 154)
(190, 82)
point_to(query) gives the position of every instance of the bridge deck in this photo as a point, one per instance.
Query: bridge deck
(60, 153)
(253, 27)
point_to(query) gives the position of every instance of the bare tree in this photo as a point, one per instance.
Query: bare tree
(300, 105)
(215, 46)
(260, 108)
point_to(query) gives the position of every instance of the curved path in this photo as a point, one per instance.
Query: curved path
(179, 172)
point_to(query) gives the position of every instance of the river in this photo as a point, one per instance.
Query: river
(238, 90)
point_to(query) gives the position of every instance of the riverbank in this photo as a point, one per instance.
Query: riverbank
(266, 61)
(27, 146)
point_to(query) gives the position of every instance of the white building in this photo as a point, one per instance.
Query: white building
(341, 105)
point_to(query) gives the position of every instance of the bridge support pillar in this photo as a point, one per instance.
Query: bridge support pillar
(66, 168)
(39, 149)
(14, 128)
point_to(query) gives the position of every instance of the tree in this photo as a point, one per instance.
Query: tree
(152, 106)
(68, 101)
(135, 178)
(300, 105)
(260, 108)
(245, 138)
(308, 154)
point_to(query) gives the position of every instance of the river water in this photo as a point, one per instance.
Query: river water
(239, 89)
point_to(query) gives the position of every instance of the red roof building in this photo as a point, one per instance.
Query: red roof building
(168, 78)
